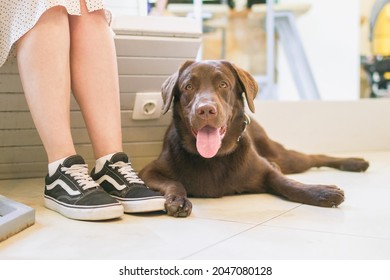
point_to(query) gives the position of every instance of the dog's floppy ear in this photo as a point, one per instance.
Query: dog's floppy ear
(170, 86)
(248, 84)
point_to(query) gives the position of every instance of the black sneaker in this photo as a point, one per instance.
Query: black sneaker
(72, 193)
(119, 179)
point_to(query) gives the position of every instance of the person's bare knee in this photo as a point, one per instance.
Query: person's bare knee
(54, 15)
(57, 11)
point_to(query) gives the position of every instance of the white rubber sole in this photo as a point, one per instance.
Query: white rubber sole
(85, 213)
(142, 206)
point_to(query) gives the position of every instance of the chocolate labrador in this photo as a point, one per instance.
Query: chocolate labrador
(212, 148)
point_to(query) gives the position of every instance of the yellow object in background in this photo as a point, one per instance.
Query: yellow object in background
(381, 33)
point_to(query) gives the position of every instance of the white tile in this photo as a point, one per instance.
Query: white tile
(236, 227)
(148, 236)
(251, 209)
(132, 237)
(263, 242)
(365, 211)
(347, 219)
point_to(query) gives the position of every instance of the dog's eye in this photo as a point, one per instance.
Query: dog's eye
(189, 87)
(223, 84)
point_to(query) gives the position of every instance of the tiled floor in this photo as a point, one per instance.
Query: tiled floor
(239, 227)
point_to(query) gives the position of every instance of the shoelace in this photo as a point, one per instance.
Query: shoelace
(127, 171)
(80, 173)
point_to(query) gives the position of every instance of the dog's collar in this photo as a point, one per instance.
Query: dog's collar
(247, 122)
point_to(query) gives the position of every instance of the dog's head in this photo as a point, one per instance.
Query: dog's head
(209, 104)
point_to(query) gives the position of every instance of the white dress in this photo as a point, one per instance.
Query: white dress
(17, 17)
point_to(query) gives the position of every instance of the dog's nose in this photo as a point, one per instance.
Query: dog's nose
(207, 111)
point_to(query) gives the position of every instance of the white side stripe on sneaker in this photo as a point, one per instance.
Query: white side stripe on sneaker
(111, 181)
(64, 186)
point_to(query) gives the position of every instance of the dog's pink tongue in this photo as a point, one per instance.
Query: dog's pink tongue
(208, 141)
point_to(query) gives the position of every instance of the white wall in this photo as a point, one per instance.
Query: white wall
(327, 126)
(330, 35)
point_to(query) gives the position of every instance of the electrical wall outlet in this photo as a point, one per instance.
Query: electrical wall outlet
(147, 106)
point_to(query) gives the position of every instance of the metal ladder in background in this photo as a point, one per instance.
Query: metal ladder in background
(284, 24)
(296, 56)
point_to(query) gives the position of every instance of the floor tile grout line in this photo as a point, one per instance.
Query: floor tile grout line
(234, 235)
(319, 231)
(252, 223)
(270, 226)
(218, 242)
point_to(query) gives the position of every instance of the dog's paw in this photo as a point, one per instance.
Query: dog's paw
(354, 165)
(178, 206)
(327, 196)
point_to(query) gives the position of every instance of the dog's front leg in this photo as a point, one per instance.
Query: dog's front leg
(318, 195)
(177, 203)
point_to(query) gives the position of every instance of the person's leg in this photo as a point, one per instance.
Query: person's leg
(94, 77)
(43, 61)
(95, 84)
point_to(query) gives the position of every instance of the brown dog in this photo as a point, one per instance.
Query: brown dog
(210, 150)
